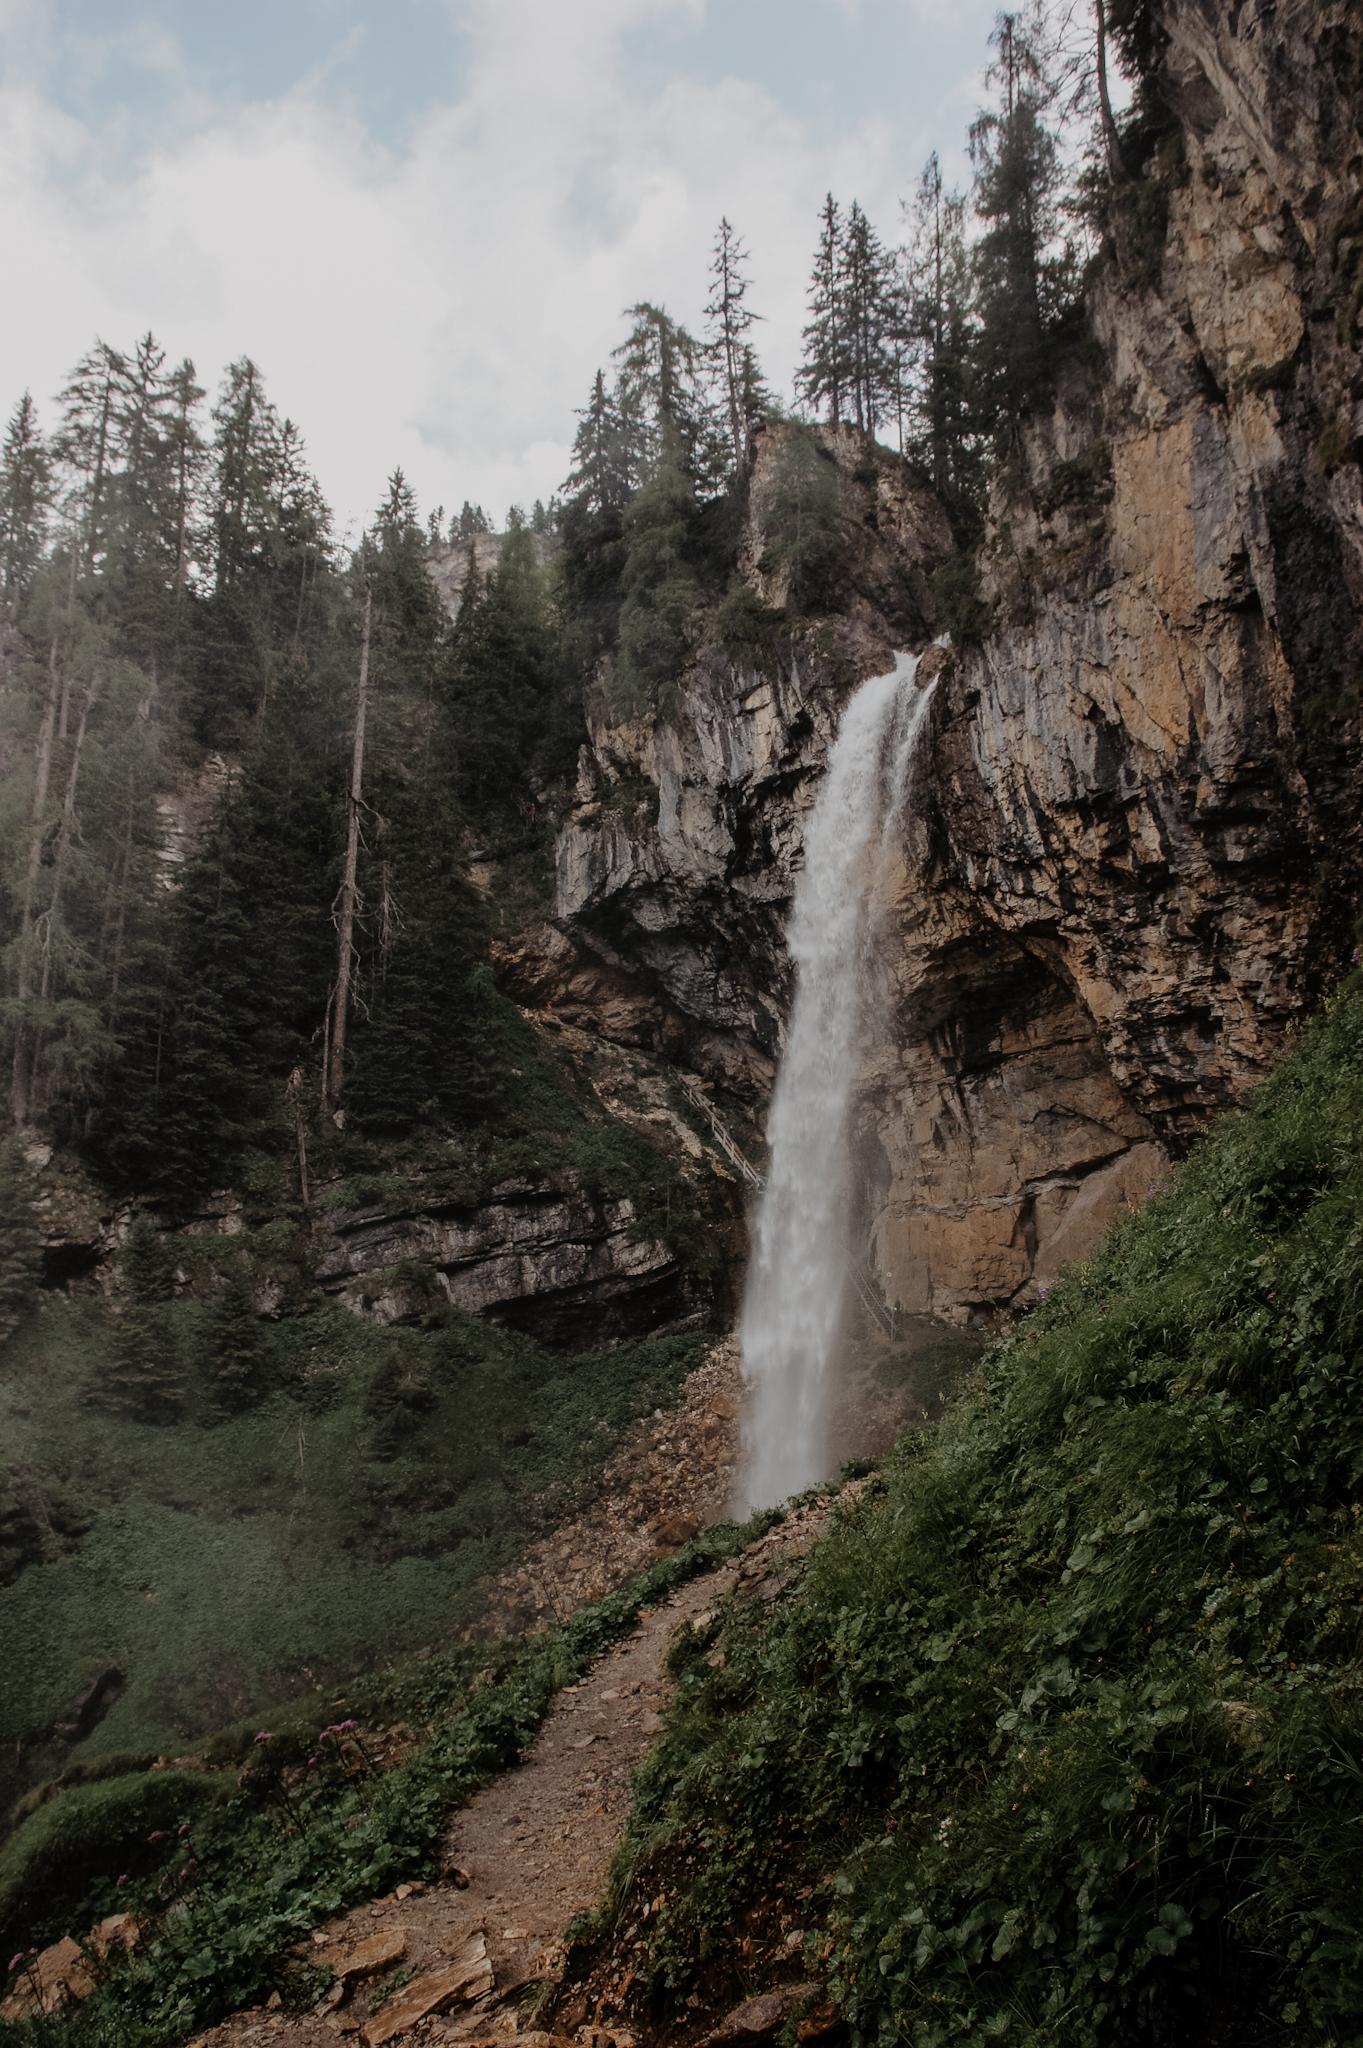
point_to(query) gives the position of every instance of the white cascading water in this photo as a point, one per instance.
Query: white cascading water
(793, 1310)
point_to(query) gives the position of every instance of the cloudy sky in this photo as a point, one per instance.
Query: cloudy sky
(424, 217)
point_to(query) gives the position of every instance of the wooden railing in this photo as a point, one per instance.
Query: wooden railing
(722, 1138)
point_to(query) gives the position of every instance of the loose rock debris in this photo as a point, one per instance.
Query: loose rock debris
(669, 1477)
(471, 1958)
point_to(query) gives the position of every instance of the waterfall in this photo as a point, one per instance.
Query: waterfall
(793, 1310)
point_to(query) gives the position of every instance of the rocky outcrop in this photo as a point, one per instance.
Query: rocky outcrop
(677, 866)
(544, 970)
(448, 565)
(1134, 852)
(552, 1259)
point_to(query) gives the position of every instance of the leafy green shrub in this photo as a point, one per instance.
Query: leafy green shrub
(747, 627)
(265, 1870)
(344, 1518)
(73, 1856)
(1063, 1726)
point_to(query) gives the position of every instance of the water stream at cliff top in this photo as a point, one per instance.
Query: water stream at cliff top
(792, 1314)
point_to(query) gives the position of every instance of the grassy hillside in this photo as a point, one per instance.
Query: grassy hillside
(343, 1520)
(286, 1826)
(1060, 1736)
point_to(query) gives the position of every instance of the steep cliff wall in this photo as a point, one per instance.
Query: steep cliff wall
(1136, 857)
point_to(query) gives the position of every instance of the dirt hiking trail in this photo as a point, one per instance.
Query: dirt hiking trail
(468, 1959)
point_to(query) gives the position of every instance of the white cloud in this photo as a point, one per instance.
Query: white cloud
(446, 306)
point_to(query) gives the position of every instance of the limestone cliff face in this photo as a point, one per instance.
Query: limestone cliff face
(691, 887)
(1134, 855)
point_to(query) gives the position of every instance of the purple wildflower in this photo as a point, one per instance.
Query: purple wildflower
(184, 1828)
(157, 1835)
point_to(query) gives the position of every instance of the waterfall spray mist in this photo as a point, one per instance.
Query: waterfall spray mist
(793, 1310)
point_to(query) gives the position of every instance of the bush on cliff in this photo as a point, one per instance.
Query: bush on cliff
(1064, 1726)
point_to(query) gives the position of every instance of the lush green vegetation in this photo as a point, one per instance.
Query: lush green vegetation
(252, 1860)
(274, 1521)
(1063, 1725)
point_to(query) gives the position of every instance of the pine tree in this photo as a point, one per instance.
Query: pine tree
(800, 515)
(660, 401)
(869, 317)
(1025, 275)
(600, 480)
(940, 332)
(658, 585)
(432, 1050)
(471, 520)
(20, 1257)
(147, 1268)
(139, 1381)
(727, 346)
(234, 1357)
(825, 373)
(25, 500)
(499, 676)
(245, 473)
(86, 445)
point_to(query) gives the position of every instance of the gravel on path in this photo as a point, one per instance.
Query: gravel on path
(526, 1854)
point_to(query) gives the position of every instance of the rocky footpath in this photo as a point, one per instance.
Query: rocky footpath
(1133, 854)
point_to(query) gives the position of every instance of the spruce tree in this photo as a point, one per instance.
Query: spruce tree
(139, 1380)
(600, 479)
(234, 1357)
(870, 317)
(660, 399)
(87, 445)
(1025, 273)
(939, 324)
(20, 1257)
(25, 499)
(498, 677)
(727, 345)
(658, 585)
(825, 372)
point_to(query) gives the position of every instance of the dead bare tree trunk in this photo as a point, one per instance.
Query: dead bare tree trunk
(1112, 142)
(19, 1092)
(336, 1065)
(49, 922)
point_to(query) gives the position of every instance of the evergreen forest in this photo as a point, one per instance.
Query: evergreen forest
(1054, 1737)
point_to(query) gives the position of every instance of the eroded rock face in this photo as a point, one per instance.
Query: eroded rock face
(557, 1261)
(689, 893)
(1133, 856)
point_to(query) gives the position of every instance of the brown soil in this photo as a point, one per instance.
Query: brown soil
(532, 1849)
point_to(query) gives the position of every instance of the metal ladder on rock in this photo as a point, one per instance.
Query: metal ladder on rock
(696, 1097)
(857, 1271)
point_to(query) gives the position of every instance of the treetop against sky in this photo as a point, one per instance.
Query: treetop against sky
(424, 218)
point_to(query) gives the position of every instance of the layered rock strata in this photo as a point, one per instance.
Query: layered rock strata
(1135, 855)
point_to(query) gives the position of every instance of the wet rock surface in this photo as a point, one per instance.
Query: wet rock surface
(1134, 841)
